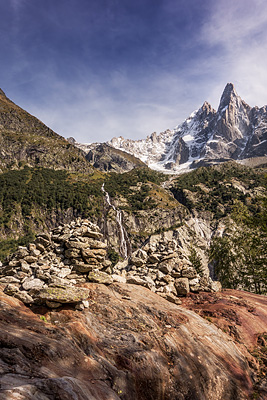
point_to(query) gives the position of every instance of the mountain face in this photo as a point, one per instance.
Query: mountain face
(235, 131)
(24, 140)
(105, 157)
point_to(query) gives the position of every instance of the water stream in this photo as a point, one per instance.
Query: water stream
(122, 232)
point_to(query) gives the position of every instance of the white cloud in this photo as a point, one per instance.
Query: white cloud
(237, 33)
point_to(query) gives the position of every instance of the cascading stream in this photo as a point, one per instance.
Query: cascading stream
(123, 234)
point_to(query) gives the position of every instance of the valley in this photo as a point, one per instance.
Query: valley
(119, 281)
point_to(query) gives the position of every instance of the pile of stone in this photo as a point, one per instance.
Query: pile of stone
(48, 270)
(51, 270)
(161, 266)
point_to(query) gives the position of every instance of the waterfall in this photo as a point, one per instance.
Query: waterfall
(122, 232)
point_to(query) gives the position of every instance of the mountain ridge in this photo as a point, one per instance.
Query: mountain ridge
(235, 131)
(25, 140)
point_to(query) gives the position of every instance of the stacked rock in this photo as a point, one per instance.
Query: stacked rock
(160, 266)
(47, 270)
(50, 270)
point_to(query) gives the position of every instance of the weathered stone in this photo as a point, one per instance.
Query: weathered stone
(72, 253)
(106, 263)
(82, 267)
(11, 289)
(30, 283)
(153, 258)
(93, 234)
(170, 289)
(40, 247)
(189, 273)
(216, 286)
(135, 280)
(149, 283)
(56, 280)
(24, 297)
(172, 298)
(24, 266)
(138, 258)
(21, 253)
(167, 278)
(30, 259)
(64, 272)
(31, 246)
(43, 241)
(43, 275)
(96, 244)
(182, 286)
(53, 304)
(9, 279)
(71, 244)
(166, 267)
(100, 277)
(62, 295)
(118, 278)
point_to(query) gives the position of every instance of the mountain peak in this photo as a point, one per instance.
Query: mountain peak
(229, 94)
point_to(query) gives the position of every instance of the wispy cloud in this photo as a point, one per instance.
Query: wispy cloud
(236, 33)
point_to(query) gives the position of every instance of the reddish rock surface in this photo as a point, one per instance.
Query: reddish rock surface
(129, 344)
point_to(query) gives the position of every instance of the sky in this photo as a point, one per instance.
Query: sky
(95, 69)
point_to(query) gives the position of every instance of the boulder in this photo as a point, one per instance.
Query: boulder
(216, 286)
(23, 296)
(100, 277)
(138, 258)
(32, 283)
(135, 280)
(189, 272)
(83, 268)
(182, 286)
(61, 295)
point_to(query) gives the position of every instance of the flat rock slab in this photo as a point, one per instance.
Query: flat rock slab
(62, 295)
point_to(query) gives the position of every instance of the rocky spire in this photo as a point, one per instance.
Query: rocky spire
(229, 94)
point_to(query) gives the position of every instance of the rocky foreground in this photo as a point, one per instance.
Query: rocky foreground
(72, 327)
(130, 344)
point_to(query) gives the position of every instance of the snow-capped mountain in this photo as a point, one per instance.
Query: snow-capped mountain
(235, 131)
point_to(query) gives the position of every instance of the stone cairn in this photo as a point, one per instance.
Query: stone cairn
(51, 270)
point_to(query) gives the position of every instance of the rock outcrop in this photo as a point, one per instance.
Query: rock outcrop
(128, 344)
(49, 270)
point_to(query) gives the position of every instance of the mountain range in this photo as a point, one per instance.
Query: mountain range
(235, 131)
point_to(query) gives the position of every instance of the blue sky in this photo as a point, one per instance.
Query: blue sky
(95, 69)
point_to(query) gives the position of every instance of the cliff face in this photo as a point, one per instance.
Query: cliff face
(129, 344)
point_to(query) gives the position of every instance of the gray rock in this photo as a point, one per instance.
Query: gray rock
(30, 259)
(182, 286)
(138, 258)
(62, 295)
(11, 289)
(83, 268)
(24, 297)
(216, 286)
(30, 283)
(9, 279)
(100, 277)
(189, 273)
